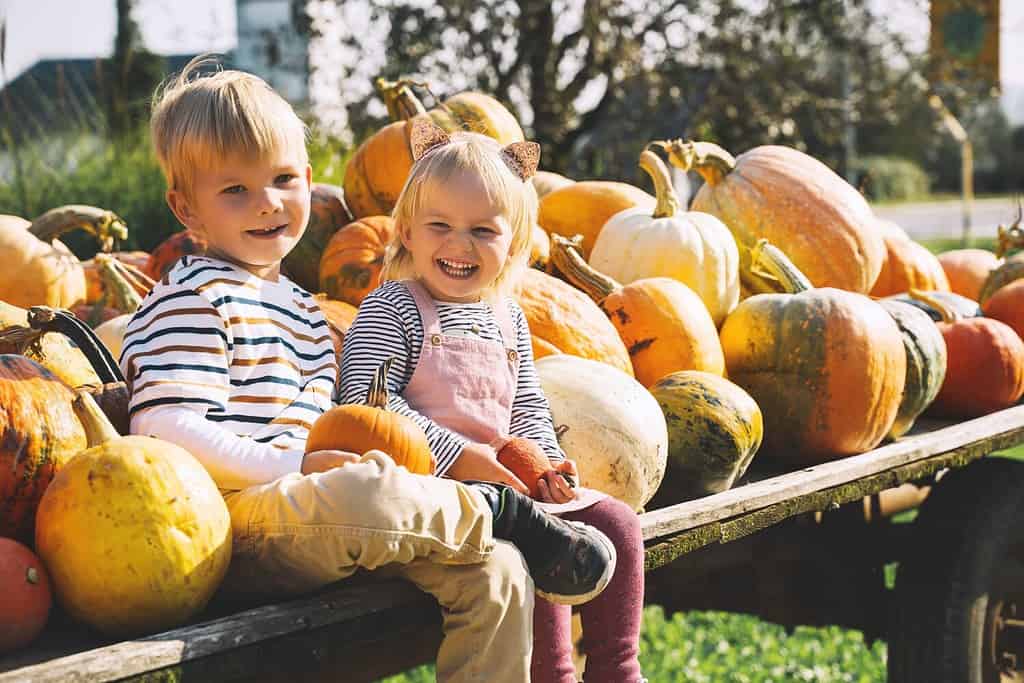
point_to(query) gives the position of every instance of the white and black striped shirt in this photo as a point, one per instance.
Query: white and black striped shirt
(388, 324)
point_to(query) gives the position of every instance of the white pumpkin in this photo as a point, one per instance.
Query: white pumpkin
(693, 247)
(613, 427)
(111, 333)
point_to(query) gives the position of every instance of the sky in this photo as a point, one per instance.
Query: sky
(47, 29)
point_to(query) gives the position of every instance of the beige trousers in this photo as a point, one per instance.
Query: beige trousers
(299, 533)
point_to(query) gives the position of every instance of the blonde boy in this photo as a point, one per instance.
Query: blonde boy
(230, 359)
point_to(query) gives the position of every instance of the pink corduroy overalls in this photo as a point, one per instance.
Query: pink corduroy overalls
(468, 385)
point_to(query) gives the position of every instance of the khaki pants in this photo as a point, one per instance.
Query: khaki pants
(299, 533)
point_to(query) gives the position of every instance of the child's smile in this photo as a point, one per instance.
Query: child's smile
(459, 239)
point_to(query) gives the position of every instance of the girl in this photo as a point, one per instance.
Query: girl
(463, 367)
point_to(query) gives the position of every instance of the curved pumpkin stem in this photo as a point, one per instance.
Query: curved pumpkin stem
(668, 200)
(121, 294)
(949, 315)
(98, 429)
(768, 262)
(47, 319)
(566, 257)
(105, 226)
(711, 161)
(399, 98)
(1011, 237)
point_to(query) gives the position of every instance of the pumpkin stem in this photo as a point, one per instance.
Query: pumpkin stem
(668, 200)
(121, 294)
(47, 319)
(768, 261)
(399, 98)
(949, 315)
(711, 161)
(566, 256)
(98, 429)
(105, 226)
(1011, 237)
(139, 281)
(377, 394)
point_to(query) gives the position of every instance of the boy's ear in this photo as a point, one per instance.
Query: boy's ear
(180, 207)
(309, 175)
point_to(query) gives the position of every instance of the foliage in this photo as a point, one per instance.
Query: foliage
(123, 176)
(708, 647)
(883, 178)
(129, 76)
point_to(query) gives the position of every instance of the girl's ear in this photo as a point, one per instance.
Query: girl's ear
(404, 234)
(179, 205)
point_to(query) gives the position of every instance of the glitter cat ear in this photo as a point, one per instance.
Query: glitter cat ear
(522, 158)
(425, 136)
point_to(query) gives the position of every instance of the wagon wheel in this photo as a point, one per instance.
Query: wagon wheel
(959, 604)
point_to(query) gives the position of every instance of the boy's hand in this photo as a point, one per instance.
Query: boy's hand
(553, 486)
(479, 462)
(322, 461)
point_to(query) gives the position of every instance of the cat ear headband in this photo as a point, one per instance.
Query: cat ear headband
(521, 157)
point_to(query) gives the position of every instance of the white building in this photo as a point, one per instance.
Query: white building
(269, 44)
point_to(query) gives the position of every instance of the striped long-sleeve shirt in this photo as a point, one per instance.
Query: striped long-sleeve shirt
(388, 325)
(254, 358)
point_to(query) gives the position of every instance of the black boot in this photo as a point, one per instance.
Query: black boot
(570, 562)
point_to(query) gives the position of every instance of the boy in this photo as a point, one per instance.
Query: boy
(231, 360)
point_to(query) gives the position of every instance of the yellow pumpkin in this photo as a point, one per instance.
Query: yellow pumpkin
(38, 269)
(692, 247)
(609, 424)
(546, 182)
(584, 207)
(662, 322)
(133, 530)
(567, 320)
(826, 366)
(795, 202)
(377, 171)
(52, 350)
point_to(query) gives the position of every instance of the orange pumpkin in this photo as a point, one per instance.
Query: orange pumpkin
(377, 171)
(546, 182)
(540, 248)
(339, 316)
(826, 366)
(566, 319)
(351, 263)
(984, 368)
(794, 201)
(583, 208)
(967, 269)
(38, 269)
(173, 248)
(327, 214)
(663, 323)
(908, 265)
(527, 461)
(27, 598)
(40, 434)
(1007, 306)
(360, 428)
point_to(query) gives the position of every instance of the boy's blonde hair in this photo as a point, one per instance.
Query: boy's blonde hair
(201, 118)
(516, 199)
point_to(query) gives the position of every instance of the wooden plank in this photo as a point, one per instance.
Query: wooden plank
(992, 432)
(346, 603)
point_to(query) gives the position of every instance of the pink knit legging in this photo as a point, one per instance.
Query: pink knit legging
(611, 621)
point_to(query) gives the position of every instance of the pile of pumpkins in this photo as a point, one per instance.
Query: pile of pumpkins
(776, 317)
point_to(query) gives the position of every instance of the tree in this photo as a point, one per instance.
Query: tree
(129, 76)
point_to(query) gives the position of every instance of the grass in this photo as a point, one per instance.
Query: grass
(710, 647)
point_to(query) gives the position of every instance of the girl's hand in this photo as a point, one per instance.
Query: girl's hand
(322, 461)
(479, 462)
(553, 486)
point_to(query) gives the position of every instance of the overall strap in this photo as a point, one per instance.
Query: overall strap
(426, 306)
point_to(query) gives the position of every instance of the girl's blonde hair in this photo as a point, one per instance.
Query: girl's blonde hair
(204, 115)
(515, 199)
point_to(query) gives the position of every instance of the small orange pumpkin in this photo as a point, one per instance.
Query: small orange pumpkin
(25, 607)
(1007, 306)
(967, 269)
(908, 265)
(351, 263)
(360, 428)
(527, 461)
(339, 318)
